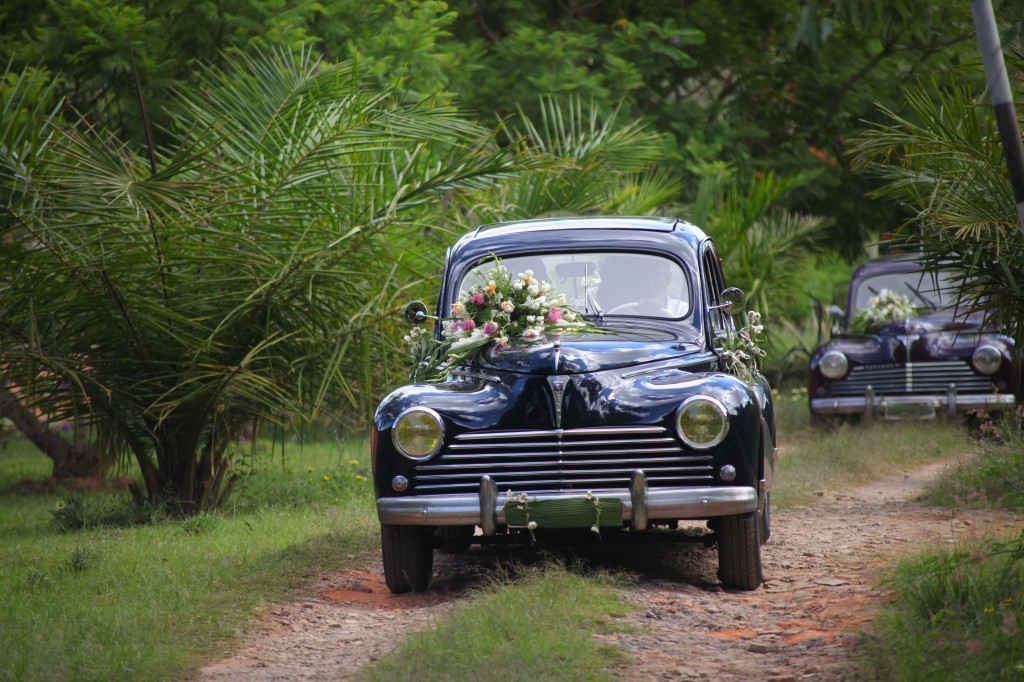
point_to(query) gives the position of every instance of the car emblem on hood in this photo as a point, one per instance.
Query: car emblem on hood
(558, 389)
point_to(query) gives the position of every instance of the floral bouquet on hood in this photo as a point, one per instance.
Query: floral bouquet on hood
(500, 309)
(883, 308)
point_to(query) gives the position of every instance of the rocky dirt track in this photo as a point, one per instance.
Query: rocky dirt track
(821, 567)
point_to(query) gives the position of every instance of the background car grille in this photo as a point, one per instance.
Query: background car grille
(570, 459)
(913, 378)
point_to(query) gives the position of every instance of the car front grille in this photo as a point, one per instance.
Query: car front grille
(570, 459)
(913, 378)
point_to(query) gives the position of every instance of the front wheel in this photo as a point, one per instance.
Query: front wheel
(739, 550)
(408, 557)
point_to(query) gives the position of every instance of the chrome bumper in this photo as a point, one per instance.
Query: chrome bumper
(487, 509)
(951, 403)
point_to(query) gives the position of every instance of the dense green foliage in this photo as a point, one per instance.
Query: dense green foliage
(750, 87)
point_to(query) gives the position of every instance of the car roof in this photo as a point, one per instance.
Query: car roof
(604, 232)
(897, 262)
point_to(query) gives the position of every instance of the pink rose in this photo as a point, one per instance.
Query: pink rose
(553, 316)
(508, 306)
(468, 325)
(477, 299)
(490, 328)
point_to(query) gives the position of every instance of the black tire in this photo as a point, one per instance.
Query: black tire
(455, 539)
(739, 551)
(766, 519)
(408, 557)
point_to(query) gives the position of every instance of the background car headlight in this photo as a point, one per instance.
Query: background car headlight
(702, 422)
(833, 365)
(418, 433)
(987, 359)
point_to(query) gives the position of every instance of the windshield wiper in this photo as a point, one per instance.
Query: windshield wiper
(921, 296)
(593, 302)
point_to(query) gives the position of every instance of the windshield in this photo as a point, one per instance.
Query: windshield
(924, 290)
(608, 283)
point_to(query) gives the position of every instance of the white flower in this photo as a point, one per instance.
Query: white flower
(508, 306)
(595, 529)
(531, 334)
(532, 525)
(518, 285)
(533, 290)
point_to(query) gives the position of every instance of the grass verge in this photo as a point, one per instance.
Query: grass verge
(812, 459)
(958, 616)
(538, 627)
(152, 601)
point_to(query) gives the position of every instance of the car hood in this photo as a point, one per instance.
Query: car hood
(921, 338)
(930, 323)
(591, 353)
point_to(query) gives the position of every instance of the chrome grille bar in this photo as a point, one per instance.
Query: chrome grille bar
(557, 459)
(913, 378)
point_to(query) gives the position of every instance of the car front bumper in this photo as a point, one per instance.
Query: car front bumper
(950, 403)
(639, 503)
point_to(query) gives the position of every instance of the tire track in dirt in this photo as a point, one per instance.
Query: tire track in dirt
(821, 569)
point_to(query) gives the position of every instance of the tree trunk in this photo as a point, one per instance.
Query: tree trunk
(69, 459)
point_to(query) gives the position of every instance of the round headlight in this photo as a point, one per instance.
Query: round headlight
(702, 422)
(987, 359)
(833, 365)
(418, 433)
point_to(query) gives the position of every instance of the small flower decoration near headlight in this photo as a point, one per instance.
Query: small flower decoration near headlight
(501, 309)
(741, 350)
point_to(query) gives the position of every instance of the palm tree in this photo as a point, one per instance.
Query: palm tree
(595, 166)
(169, 298)
(942, 159)
(761, 244)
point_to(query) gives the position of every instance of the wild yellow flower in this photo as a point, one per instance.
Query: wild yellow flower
(309, 469)
(326, 477)
(60, 504)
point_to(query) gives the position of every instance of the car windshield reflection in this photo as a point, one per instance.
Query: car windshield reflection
(608, 283)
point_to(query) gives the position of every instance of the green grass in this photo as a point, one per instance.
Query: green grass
(812, 459)
(538, 627)
(958, 615)
(149, 602)
(995, 478)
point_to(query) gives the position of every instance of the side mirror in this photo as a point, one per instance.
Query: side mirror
(732, 300)
(837, 319)
(416, 313)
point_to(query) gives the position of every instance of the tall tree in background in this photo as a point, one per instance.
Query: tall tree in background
(242, 274)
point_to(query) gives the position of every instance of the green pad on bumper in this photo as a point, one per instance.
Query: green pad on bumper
(568, 513)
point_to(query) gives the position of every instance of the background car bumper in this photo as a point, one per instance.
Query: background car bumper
(950, 403)
(639, 504)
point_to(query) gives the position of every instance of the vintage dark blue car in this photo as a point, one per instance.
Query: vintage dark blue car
(630, 425)
(904, 348)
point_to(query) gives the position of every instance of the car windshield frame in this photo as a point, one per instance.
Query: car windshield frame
(604, 283)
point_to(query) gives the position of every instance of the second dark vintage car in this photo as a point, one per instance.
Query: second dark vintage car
(584, 390)
(906, 349)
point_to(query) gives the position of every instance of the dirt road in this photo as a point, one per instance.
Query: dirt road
(820, 565)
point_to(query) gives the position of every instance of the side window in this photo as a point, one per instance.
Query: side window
(713, 285)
